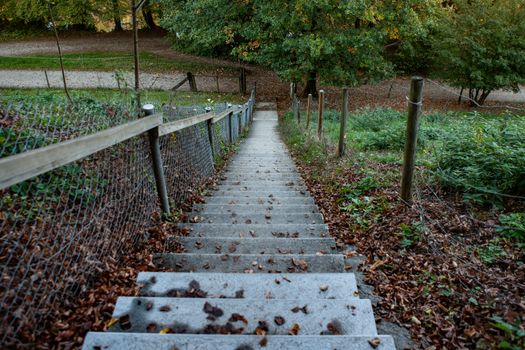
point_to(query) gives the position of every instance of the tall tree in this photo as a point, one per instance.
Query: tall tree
(147, 12)
(116, 9)
(480, 46)
(341, 42)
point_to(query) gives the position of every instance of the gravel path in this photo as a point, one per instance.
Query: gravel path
(87, 79)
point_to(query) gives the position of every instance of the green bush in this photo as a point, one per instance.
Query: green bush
(374, 119)
(483, 161)
(513, 226)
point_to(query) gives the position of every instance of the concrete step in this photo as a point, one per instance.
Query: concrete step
(249, 245)
(261, 187)
(262, 168)
(204, 209)
(229, 200)
(267, 182)
(259, 177)
(251, 164)
(250, 263)
(271, 217)
(248, 316)
(256, 230)
(262, 194)
(259, 157)
(148, 341)
(248, 285)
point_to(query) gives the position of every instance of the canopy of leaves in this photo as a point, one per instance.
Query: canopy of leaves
(480, 45)
(81, 14)
(341, 41)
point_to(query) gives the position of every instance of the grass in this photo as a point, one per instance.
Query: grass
(156, 97)
(106, 61)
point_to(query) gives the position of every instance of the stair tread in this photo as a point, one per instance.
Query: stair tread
(194, 315)
(251, 263)
(254, 245)
(252, 286)
(146, 341)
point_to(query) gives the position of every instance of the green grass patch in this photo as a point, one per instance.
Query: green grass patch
(480, 155)
(157, 97)
(106, 61)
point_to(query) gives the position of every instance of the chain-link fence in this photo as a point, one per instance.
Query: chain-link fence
(62, 227)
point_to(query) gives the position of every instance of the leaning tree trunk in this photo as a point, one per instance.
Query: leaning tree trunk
(148, 16)
(311, 85)
(478, 96)
(483, 97)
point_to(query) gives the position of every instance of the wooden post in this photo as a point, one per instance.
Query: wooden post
(414, 110)
(209, 125)
(342, 127)
(136, 50)
(239, 117)
(191, 80)
(298, 109)
(308, 107)
(47, 79)
(295, 107)
(242, 80)
(230, 127)
(158, 170)
(320, 115)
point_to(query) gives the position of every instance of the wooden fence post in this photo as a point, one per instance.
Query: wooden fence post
(191, 80)
(296, 110)
(342, 127)
(239, 121)
(308, 107)
(209, 125)
(414, 110)
(158, 170)
(230, 127)
(320, 115)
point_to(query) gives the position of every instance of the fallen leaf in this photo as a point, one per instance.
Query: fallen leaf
(295, 329)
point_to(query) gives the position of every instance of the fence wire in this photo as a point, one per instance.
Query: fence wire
(60, 229)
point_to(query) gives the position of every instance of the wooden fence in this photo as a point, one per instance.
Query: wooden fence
(24, 166)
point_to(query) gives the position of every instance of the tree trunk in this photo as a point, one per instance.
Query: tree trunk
(483, 97)
(116, 17)
(148, 16)
(311, 85)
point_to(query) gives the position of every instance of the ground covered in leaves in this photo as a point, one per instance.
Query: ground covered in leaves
(440, 265)
(92, 311)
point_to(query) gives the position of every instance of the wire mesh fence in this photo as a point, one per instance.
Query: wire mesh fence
(60, 229)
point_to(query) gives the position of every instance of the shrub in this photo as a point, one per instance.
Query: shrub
(513, 226)
(483, 161)
(374, 119)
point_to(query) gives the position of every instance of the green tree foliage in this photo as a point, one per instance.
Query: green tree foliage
(207, 27)
(480, 46)
(342, 42)
(410, 41)
(72, 14)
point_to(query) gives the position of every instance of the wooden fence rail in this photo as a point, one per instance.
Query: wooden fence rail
(20, 167)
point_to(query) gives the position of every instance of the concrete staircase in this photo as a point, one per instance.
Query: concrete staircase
(259, 270)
